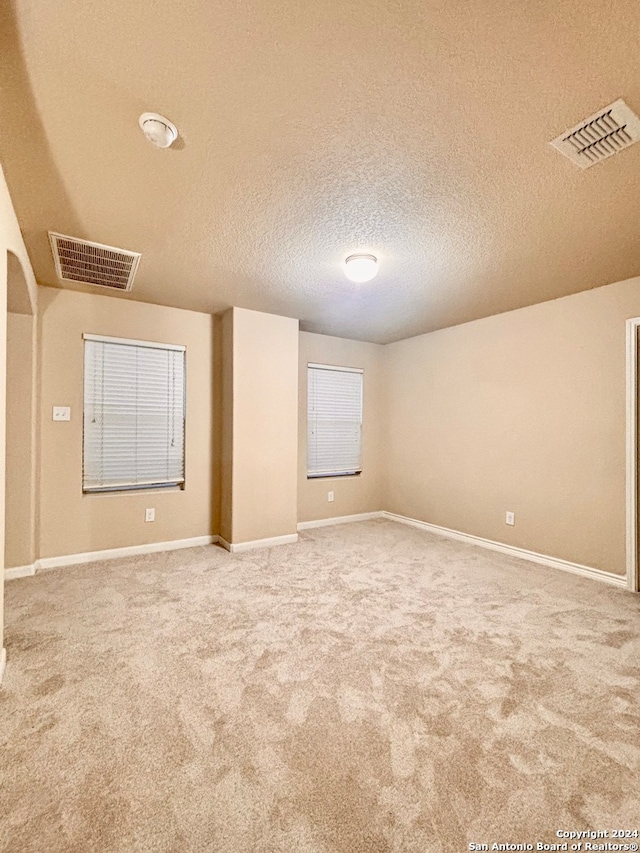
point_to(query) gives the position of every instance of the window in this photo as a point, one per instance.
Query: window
(334, 420)
(134, 405)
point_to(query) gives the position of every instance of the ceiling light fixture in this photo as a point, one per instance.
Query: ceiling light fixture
(158, 130)
(361, 268)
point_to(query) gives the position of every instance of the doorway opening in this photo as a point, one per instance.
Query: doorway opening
(20, 458)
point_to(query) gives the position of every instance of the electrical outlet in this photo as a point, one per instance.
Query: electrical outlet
(329, 496)
(61, 413)
(510, 518)
(150, 514)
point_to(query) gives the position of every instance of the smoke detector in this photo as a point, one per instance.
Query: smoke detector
(158, 130)
(92, 263)
(610, 130)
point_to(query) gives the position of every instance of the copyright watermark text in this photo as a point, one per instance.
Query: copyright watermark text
(583, 840)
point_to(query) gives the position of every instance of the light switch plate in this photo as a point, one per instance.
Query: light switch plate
(61, 413)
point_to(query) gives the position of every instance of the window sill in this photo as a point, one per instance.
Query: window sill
(332, 476)
(118, 493)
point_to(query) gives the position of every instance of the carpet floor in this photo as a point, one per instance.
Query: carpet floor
(372, 688)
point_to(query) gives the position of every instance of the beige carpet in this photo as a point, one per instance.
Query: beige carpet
(373, 688)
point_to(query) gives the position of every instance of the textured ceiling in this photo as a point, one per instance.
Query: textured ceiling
(413, 129)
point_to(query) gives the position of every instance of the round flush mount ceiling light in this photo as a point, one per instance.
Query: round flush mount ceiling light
(158, 130)
(361, 268)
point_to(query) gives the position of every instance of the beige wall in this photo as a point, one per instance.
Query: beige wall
(5, 238)
(524, 411)
(71, 522)
(10, 241)
(363, 492)
(19, 499)
(264, 418)
(226, 462)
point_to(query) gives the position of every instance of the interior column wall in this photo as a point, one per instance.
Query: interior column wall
(226, 461)
(260, 439)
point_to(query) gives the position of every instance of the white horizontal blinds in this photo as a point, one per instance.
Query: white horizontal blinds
(334, 421)
(133, 415)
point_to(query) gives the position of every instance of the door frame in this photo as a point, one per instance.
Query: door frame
(633, 580)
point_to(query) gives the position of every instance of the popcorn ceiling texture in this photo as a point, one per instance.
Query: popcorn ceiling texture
(418, 131)
(370, 689)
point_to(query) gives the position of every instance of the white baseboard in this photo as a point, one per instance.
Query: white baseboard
(154, 547)
(338, 519)
(19, 572)
(3, 663)
(46, 563)
(513, 551)
(237, 547)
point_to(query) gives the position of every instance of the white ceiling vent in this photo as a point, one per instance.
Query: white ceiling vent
(609, 131)
(93, 263)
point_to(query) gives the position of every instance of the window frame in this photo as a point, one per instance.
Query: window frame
(163, 486)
